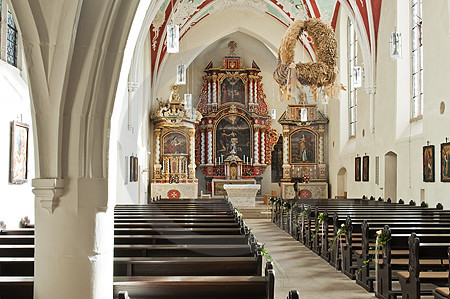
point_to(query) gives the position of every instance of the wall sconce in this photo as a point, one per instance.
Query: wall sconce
(396, 44)
(173, 38)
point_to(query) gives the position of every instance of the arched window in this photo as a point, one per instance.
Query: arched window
(416, 60)
(11, 41)
(352, 61)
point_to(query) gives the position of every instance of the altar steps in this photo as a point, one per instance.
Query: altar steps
(259, 211)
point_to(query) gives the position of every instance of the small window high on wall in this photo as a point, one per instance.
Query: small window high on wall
(416, 60)
(352, 93)
(11, 41)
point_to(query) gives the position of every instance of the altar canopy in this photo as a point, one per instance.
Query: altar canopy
(234, 139)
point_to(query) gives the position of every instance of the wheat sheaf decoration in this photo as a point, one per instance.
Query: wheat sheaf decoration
(321, 74)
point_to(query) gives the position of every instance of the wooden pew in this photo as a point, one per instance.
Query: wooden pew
(411, 280)
(17, 287)
(169, 250)
(188, 266)
(190, 287)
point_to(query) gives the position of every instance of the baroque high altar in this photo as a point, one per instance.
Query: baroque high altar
(234, 139)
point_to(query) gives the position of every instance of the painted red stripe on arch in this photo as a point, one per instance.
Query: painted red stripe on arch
(315, 8)
(335, 15)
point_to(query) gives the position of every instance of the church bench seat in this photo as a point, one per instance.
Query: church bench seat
(178, 231)
(20, 231)
(441, 293)
(411, 280)
(173, 220)
(16, 266)
(16, 287)
(17, 239)
(194, 287)
(170, 224)
(188, 266)
(16, 250)
(182, 250)
(180, 239)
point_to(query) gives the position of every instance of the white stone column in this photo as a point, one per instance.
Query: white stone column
(256, 146)
(70, 249)
(203, 148)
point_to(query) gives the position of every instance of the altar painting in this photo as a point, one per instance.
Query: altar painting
(174, 143)
(303, 147)
(233, 135)
(232, 89)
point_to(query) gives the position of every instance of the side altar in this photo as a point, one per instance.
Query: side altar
(174, 165)
(234, 139)
(305, 173)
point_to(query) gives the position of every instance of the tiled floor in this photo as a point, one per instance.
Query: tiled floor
(296, 267)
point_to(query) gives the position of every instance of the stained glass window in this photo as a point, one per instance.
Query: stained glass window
(416, 60)
(352, 94)
(11, 41)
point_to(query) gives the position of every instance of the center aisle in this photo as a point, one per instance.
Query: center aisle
(296, 267)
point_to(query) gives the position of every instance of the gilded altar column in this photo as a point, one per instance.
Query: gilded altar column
(192, 154)
(263, 147)
(286, 166)
(209, 89)
(157, 165)
(203, 148)
(210, 146)
(255, 90)
(250, 91)
(256, 146)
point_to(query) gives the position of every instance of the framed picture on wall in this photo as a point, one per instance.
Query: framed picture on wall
(19, 153)
(445, 159)
(428, 163)
(132, 171)
(136, 169)
(365, 173)
(358, 169)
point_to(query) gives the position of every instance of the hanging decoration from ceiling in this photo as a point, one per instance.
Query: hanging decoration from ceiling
(319, 76)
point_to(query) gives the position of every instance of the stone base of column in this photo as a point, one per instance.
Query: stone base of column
(74, 245)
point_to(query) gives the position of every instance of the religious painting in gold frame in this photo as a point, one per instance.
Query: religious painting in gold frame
(175, 143)
(303, 147)
(233, 90)
(233, 133)
(19, 153)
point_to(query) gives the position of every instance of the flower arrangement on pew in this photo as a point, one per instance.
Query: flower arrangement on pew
(321, 220)
(342, 230)
(381, 239)
(301, 215)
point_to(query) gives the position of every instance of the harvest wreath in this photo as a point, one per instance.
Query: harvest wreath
(322, 73)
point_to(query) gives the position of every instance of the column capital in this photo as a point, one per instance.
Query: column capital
(48, 192)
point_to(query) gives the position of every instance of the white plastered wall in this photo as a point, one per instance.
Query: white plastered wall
(133, 131)
(393, 130)
(16, 201)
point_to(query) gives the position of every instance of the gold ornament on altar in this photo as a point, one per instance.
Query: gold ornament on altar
(318, 76)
